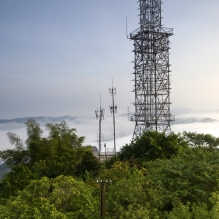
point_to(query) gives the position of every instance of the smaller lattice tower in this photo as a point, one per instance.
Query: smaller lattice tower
(152, 73)
(100, 117)
(113, 110)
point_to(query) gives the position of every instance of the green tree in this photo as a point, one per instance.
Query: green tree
(60, 198)
(51, 156)
(89, 165)
(201, 140)
(131, 194)
(17, 179)
(135, 197)
(153, 145)
(18, 155)
(192, 175)
(183, 186)
(61, 153)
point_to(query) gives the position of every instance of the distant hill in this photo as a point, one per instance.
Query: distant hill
(43, 119)
(193, 120)
(38, 119)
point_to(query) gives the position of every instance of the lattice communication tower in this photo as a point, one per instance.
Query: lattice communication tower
(100, 117)
(113, 110)
(152, 73)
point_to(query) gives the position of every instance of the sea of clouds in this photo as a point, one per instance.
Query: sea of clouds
(199, 121)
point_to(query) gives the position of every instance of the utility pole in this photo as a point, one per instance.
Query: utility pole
(100, 116)
(113, 110)
(103, 184)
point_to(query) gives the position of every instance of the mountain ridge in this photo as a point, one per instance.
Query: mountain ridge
(38, 119)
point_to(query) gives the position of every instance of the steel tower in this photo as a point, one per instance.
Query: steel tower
(100, 117)
(113, 110)
(152, 73)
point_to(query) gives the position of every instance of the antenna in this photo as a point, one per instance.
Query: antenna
(127, 28)
(100, 99)
(113, 110)
(100, 117)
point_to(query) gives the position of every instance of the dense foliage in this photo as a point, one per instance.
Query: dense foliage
(152, 145)
(61, 153)
(61, 197)
(172, 176)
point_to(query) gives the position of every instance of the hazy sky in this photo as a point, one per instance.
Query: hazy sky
(56, 56)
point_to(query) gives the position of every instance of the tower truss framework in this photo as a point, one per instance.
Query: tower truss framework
(151, 70)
